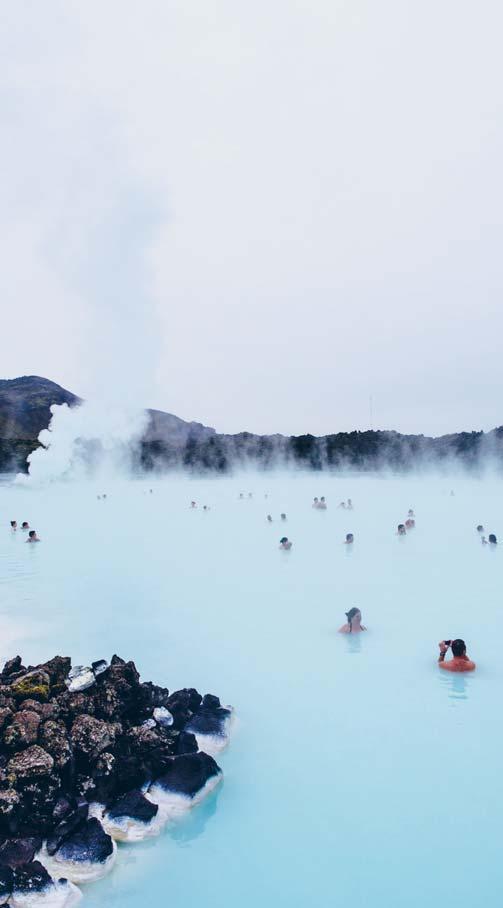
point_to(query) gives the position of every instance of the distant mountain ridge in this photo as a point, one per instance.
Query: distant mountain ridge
(171, 442)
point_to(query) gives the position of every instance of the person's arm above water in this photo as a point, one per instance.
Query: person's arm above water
(442, 654)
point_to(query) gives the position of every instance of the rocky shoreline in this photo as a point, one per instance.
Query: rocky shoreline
(91, 756)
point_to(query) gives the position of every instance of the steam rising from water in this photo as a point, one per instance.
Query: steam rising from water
(91, 439)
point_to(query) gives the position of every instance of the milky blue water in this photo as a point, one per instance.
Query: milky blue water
(358, 773)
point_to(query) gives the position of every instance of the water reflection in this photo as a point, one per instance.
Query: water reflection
(354, 643)
(193, 824)
(456, 684)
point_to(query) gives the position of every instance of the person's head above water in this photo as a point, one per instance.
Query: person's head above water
(480, 528)
(492, 539)
(401, 529)
(13, 524)
(460, 661)
(283, 516)
(354, 617)
(283, 540)
(349, 537)
(458, 647)
(353, 625)
(25, 525)
(269, 518)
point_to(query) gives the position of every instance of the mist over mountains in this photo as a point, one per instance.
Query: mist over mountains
(169, 442)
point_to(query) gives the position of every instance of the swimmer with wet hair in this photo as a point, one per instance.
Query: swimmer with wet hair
(349, 505)
(343, 505)
(322, 505)
(410, 523)
(13, 524)
(25, 525)
(32, 537)
(401, 531)
(460, 661)
(269, 518)
(354, 623)
(285, 544)
(283, 516)
(316, 503)
(349, 539)
(480, 528)
(491, 540)
(410, 513)
(193, 504)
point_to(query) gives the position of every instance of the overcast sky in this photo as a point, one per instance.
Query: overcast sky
(257, 214)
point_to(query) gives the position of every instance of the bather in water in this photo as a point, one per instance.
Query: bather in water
(13, 524)
(354, 623)
(401, 531)
(32, 536)
(491, 540)
(285, 544)
(25, 525)
(460, 661)
(349, 539)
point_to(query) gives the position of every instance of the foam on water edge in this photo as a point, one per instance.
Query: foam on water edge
(173, 805)
(60, 894)
(77, 871)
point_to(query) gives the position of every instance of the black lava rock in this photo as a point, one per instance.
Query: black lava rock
(188, 774)
(89, 842)
(133, 805)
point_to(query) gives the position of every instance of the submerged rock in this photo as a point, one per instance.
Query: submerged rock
(131, 818)
(189, 777)
(86, 854)
(89, 756)
(211, 725)
(32, 885)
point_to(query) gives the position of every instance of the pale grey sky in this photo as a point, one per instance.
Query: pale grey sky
(257, 214)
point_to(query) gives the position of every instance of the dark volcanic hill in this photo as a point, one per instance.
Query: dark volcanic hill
(170, 442)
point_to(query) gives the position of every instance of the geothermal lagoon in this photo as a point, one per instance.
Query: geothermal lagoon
(357, 773)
